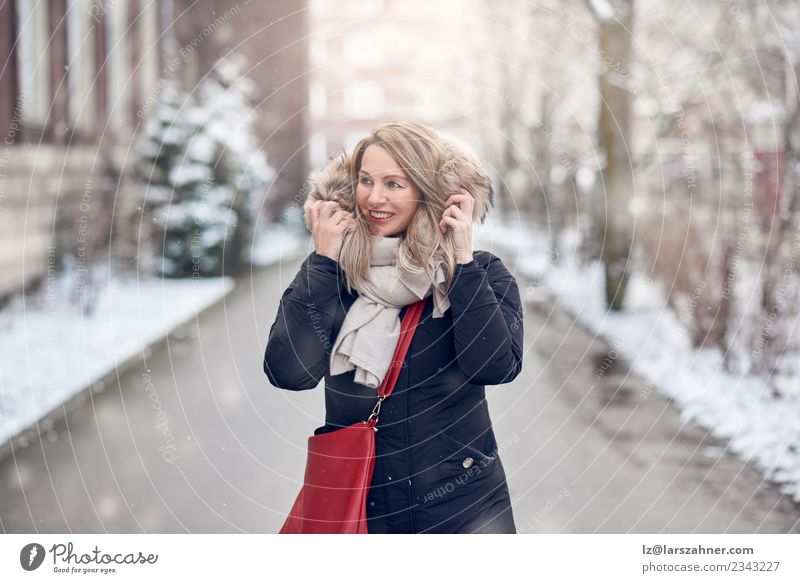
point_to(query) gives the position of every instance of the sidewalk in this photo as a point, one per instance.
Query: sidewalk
(194, 439)
(190, 439)
(54, 357)
(648, 337)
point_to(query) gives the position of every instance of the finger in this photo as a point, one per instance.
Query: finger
(327, 207)
(450, 208)
(448, 222)
(465, 195)
(452, 199)
(316, 208)
(340, 215)
(324, 209)
(457, 213)
(319, 205)
(462, 195)
(462, 201)
(454, 223)
(310, 217)
(340, 218)
(346, 225)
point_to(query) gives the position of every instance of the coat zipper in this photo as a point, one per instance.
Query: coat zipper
(408, 458)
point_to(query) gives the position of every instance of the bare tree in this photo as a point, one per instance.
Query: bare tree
(779, 277)
(533, 66)
(614, 20)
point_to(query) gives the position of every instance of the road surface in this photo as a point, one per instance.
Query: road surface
(196, 440)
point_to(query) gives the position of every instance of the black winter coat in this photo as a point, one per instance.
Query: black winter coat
(437, 467)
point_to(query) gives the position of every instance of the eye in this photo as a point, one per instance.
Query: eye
(365, 180)
(397, 184)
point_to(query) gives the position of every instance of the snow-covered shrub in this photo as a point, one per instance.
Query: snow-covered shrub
(205, 174)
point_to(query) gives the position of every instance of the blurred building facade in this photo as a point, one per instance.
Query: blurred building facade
(384, 60)
(79, 79)
(73, 78)
(273, 38)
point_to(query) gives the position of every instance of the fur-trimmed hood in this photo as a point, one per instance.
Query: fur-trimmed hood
(462, 169)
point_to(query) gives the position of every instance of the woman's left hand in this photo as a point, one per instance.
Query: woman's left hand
(458, 217)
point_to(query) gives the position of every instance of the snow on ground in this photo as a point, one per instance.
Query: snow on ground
(273, 244)
(50, 349)
(760, 428)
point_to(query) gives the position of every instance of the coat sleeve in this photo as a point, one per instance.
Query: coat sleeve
(487, 321)
(296, 356)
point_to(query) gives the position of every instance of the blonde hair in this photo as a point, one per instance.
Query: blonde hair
(437, 167)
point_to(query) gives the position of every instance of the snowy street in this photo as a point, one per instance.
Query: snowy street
(607, 454)
(166, 168)
(196, 440)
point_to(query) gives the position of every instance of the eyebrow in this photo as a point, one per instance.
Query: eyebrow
(388, 176)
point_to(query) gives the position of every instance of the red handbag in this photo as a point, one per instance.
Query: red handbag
(340, 463)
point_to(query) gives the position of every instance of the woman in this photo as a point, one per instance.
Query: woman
(405, 234)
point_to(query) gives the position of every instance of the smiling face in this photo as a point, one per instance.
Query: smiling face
(384, 193)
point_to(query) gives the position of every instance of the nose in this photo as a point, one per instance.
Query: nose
(376, 196)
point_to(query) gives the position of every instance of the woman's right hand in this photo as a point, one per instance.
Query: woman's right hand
(329, 223)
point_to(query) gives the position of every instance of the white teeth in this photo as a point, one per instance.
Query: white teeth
(378, 215)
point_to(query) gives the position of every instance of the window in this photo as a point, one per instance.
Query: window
(33, 59)
(364, 50)
(430, 104)
(321, 8)
(352, 138)
(118, 62)
(364, 100)
(317, 101)
(80, 62)
(317, 50)
(363, 8)
(150, 51)
(317, 151)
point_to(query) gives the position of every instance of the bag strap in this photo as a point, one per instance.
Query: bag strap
(407, 328)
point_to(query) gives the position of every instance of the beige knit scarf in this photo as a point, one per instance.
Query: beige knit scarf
(371, 328)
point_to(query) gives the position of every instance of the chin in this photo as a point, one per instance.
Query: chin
(377, 230)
